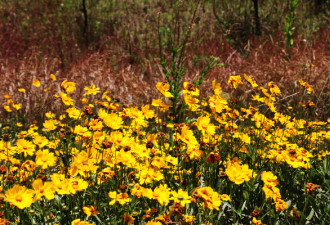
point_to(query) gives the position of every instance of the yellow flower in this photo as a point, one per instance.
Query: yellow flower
(43, 190)
(234, 81)
(69, 87)
(194, 152)
(154, 223)
(128, 219)
(66, 99)
(7, 96)
(41, 141)
(271, 191)
(225, 197)
(274, 89)
(36, 83)
(79, 222)
(82, 164)
(181, 197)
(61, 185)
(256, 222)
(203, 124)
(162, 194)
(137, 190)
(159, 103)
(45, 158)
(249, 79)
(187, 136)
(19, 196)
(191, 102)
(217, 103)
(189, 219)
(269, 178)
(280, 205)
(52, 76)
(238, 174)
(211, 198)
(22, 90)
(164, 88)
(83, 131)
(148, 113)
(26, 147)
(121, 198)
(50, 125)
(77, 184)
(92, 90)
(17, 106)
(50, 114)
(190, 89)
(113, 121)
(7, 108)
(308, 87)
(74, 112)
(90, 210)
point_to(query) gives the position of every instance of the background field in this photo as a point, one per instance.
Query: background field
(115, 44)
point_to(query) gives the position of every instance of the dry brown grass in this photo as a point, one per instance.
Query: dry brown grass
(134, 83)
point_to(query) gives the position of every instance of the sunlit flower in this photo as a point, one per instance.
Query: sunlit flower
(52, 76)
(79, 222)
(181, 197)
(191, 102)
(274, 89)
(148, 113)
(7, 108)
(256, 222)
(250, 80)
(19, 196)
(90, 210)
(128, 219)
(189, 219)
(154, 223)
(209, 196)
(50, 125)
(61, 185)
(43, 190)
(45, 158)
(121, 198)
(190, 89)
(238, 174)
(26, 147)
(308, 87)
(77, 184)
(41, 141)
(162, 194)
(92, 90)
(74, 112)
(225, 197)
(66, 99)
(203, 124)
(280, 205)
(269, 178)
(36, 83)
(112, 120)
(159, 103)
(164, 88)
(234, 81)
(69, 87)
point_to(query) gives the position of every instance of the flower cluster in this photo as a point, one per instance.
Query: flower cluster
(99, 162)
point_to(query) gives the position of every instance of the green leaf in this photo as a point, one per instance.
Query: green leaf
(311, 214)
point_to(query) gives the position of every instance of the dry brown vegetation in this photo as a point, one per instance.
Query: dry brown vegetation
(132, 77)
